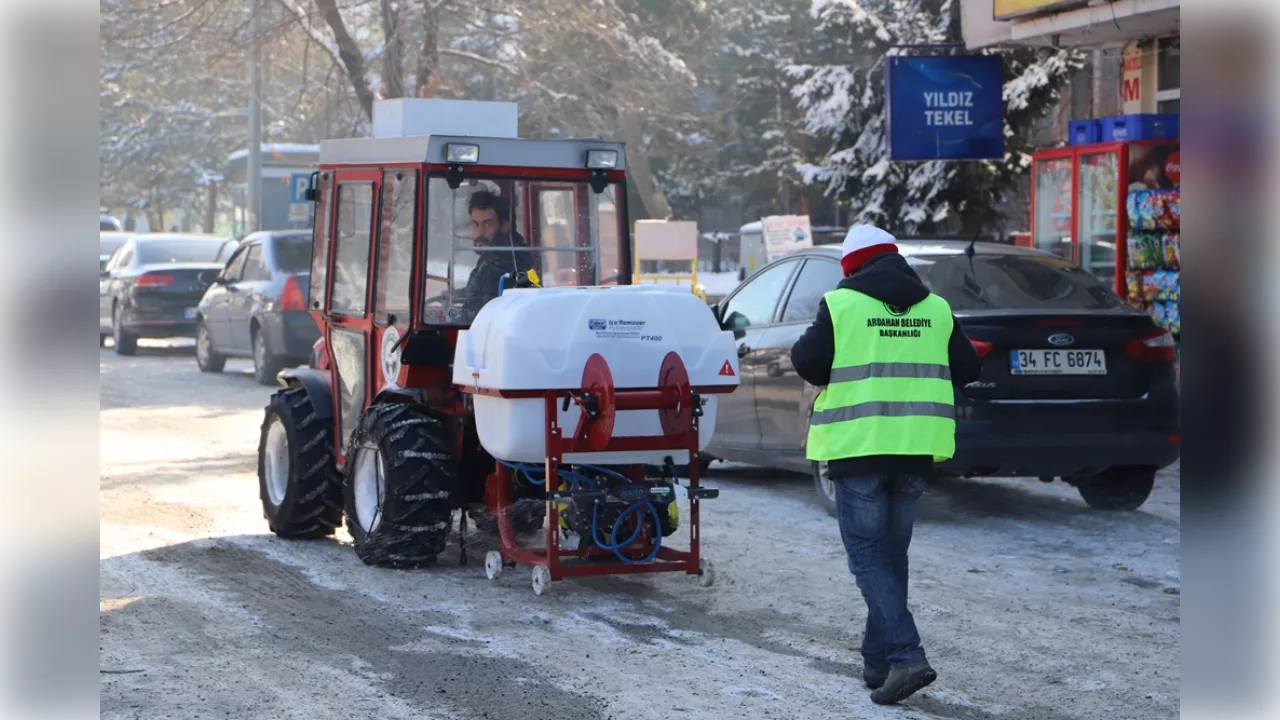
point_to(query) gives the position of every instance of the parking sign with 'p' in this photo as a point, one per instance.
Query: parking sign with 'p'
(298, 184)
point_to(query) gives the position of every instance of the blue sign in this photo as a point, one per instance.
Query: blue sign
(944, 107)
(298, 184)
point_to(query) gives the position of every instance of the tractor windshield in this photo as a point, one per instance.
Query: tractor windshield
(485, 231)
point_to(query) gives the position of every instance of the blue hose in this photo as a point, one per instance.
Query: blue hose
(614, 545)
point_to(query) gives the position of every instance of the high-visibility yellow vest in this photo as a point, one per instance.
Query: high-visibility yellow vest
(890, 391)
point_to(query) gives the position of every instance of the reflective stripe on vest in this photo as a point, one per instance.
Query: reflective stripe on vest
(890, 390)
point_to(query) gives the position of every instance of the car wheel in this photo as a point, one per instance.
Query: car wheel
(825, 486)
(207, 358)
(1119, 488)
(265, 365)
(126, 343)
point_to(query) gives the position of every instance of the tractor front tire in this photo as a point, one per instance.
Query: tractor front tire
(401, 475)
(298, 479)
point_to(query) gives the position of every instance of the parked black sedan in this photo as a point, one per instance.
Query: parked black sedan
(1075, 384)
(257, 308)
(151, 285)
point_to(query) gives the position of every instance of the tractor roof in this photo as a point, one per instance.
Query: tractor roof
(494, 152)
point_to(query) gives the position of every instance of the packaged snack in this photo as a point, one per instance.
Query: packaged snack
(1150, 290)
(1174, 316)
(1168, 205)
(1158, 313)
(1133, 281)
(1176, 240)
(1141, 251)
(1175, 286)
(1141, 208)
(1169, 250)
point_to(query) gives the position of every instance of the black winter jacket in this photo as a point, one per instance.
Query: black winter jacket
(482, 284)
(890, 279)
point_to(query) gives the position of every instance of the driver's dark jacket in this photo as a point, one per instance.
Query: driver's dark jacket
(482, 285)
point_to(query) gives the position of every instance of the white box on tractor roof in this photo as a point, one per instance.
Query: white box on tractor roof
(540, 339)
(420, 117)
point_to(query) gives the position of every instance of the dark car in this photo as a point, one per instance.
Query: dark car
(152, 284)
(1075, 383)
(108, 243)
(257, 308)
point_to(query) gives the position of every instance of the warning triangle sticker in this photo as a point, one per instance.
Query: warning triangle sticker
(726, 369)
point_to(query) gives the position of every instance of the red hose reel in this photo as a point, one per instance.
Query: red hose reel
(678, 405)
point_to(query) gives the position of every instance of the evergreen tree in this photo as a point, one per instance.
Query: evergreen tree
(843, 99)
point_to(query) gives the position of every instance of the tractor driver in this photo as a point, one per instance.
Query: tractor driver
(491, 228)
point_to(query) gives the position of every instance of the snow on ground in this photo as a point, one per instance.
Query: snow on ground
(1030, 604)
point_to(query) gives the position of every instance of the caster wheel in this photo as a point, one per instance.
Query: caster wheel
(493, 564)
(706, 573)
(541, 580)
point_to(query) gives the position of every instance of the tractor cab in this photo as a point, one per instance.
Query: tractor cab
(415, 234)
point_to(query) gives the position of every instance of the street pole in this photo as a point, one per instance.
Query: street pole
(255, 122)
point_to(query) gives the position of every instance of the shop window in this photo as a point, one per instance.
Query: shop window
(1168, 59)
(1168, 75)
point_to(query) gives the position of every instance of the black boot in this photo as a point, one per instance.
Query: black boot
(903, 682)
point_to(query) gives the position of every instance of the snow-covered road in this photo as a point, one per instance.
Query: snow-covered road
(1031, 605)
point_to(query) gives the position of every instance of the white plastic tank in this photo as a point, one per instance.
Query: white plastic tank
(540, 339)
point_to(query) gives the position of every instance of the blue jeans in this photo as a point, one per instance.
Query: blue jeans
(876, 514)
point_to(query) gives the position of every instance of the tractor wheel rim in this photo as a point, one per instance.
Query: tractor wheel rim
(370, 484)
(824, 480)
(202, 345)
(276, 460)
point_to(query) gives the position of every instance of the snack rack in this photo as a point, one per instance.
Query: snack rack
(1113, 208)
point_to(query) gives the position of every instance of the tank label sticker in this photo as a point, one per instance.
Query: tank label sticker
(608, 329)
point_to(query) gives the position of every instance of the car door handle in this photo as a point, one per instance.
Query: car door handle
(336, 319)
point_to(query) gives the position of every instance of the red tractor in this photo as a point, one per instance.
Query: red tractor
(414, 237)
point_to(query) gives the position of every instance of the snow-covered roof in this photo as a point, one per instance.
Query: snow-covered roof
(274, 148)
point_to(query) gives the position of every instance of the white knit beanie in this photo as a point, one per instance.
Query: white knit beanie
(862, 243)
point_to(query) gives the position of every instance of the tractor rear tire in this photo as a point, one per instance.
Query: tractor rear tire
(298, 480)
(401, 476)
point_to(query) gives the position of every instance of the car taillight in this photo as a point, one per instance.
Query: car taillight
(292, 298)
(154, 280)
(982, 348)
(1158, 347)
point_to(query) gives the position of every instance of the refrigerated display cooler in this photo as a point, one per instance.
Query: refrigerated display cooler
(1114, 210)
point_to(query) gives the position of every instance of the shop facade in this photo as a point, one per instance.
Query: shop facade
(1108, 199)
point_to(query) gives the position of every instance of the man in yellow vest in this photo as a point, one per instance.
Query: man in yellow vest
(888, 352)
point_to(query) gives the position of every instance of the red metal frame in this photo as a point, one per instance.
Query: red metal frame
(673, 398)
(1074, 153)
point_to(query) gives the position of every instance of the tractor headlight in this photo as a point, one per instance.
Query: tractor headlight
(602, 159)
(455, 153)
